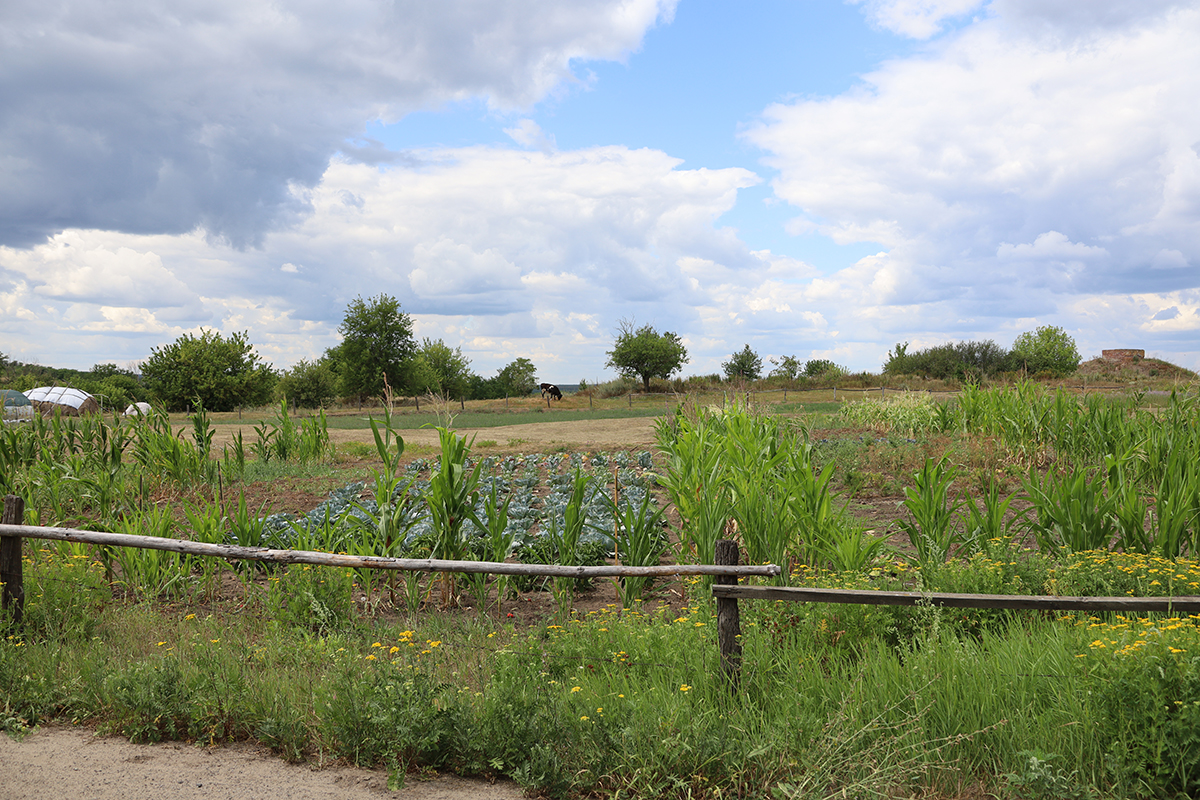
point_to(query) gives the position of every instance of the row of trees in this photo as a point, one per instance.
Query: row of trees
(1048, 351)
(377, 354)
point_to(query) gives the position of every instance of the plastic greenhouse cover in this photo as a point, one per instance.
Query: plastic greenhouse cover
(62, 395)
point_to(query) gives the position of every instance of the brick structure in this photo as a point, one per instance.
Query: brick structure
(1123, 356)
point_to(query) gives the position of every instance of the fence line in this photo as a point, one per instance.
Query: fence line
(1189, 604)
(12, 534)
(727, 593)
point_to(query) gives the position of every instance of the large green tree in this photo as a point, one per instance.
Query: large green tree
(518, 378)
(744, 365)
(309, 384)
(644, 352)
(451, 370)
(377, 341)
(1047, 349)
(221, 373)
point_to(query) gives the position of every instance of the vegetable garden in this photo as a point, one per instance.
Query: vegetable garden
(1014, 490)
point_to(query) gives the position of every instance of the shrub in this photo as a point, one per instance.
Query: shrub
(1049, 349)
(218, 372)
(309, 384)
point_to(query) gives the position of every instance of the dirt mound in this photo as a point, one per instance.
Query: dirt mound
(1131, 370)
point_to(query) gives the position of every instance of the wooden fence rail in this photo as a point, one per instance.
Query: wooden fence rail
(727, 593)
(11, 535)
(1189, 604)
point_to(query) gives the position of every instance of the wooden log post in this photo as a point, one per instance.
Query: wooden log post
(729, 622)
(13, 593)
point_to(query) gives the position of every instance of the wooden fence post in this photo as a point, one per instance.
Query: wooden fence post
(10, 561)
(729, 623)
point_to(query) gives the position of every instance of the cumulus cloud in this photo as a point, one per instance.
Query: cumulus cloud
(500, 250)
(918, 19)
(1011, 178)
(528, 133)
(165, 116)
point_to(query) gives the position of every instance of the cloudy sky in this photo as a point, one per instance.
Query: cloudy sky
(814, 178)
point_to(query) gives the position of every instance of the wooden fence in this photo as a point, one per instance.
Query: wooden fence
(12, 533)
(727, 593)
(726, 572)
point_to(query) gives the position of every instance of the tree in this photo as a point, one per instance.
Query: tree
(218, 372)
(786, 367)
(745, 365)
(1048, 349)
(822, 368)
(309, 384)
(450, 368)
(645, 353)
(377, 341)
(519, 377)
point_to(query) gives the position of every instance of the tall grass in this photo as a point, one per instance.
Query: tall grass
(632, 704)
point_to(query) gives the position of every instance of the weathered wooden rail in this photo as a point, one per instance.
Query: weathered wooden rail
(12, 534)
(727, 593)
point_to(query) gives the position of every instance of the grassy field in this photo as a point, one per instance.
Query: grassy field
(614, 689)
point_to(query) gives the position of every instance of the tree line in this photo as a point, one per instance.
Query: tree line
(379, 355)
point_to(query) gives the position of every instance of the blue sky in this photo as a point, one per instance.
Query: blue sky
(819, 179)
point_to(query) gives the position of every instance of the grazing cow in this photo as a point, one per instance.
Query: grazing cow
(552, 390)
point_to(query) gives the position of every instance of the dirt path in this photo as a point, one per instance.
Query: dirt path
(59, 762)
(637, 432)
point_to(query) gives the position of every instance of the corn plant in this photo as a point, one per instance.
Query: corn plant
(1072, 512)
(695, 479)
(810, 505)
(235, 456)
(146, 573)
(564, 538)
(281, 439)
(202, 430)
(989, 521)
(931, 528)
(207, 524)
(640, 542)
(493, 544)
(852, 549)
(1176, 507)
(451, 498)
(247, 529)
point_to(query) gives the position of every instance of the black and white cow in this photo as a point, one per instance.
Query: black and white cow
(552, 390)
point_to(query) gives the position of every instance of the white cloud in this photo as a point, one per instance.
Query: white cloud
(165, 115)
(1052, 246)
(518, 252)
(918, 19)
(528, 133)
(1008, 174)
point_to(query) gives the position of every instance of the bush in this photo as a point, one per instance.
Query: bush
(744, 365)
(1048, 349)
(965, 361)
(309, 384)
(218, 372)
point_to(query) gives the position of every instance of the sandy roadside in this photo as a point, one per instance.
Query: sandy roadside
(59, 762)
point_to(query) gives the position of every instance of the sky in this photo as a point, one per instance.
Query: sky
(812, 178)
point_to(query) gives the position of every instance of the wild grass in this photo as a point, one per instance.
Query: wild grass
(632, 703)
(834, 700)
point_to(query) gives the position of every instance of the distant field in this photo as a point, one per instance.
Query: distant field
(470, 420)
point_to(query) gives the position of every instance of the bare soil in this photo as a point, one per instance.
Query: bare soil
(59, 762)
